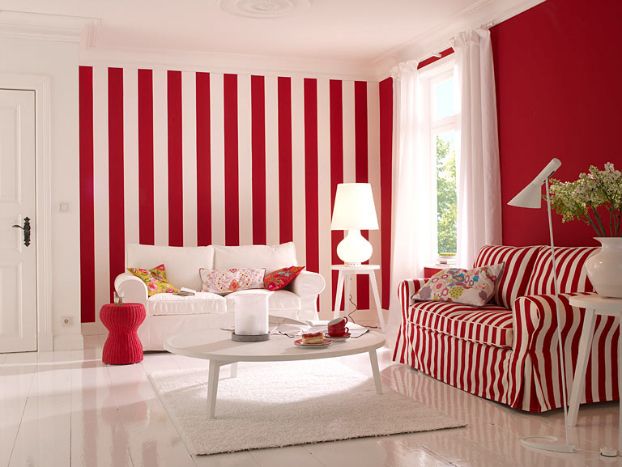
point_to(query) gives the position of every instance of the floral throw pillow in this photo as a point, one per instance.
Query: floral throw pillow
(281, 278)
(467, 286)
(230, 280)
(154, 279)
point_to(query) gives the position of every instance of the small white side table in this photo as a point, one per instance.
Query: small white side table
(343, 282)
(594, 305)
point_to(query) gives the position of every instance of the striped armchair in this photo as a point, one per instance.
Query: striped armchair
(507, 350)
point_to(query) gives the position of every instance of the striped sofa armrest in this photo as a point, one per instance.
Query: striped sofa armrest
(405, 291)
(534, 375)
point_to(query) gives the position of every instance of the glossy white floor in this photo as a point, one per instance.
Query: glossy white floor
(67, 409)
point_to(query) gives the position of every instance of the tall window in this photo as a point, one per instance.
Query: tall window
(444, 111)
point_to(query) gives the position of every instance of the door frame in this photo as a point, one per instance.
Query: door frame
(40, 84)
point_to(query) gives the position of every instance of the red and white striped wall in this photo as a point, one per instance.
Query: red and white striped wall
(193, 158)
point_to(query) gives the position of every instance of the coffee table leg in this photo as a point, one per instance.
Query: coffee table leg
(373, 358)
(212, 388)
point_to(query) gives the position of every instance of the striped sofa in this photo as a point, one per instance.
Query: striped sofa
(507, 351)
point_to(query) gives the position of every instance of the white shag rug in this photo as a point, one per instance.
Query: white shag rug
(288, 403)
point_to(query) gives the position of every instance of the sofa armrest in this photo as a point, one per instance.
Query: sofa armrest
(535, 355)
(536, 315)
(130, 288)
(308, 284)
(406, 289)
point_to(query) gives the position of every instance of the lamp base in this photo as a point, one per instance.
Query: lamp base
(354, 249)
(249, 337)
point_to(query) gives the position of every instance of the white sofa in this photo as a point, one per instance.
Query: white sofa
(169, 314)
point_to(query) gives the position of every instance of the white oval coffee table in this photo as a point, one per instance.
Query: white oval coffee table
(217, 347)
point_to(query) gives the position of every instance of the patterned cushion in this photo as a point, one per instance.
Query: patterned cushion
(467, 286)
(571, 275)
(518, 268)
(281, 278)
(491, 324)
(230, 280)
(155, 279)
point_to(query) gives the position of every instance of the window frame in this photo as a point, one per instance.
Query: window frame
(432, 74)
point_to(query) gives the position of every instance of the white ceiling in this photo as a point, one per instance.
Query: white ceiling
(351, 32)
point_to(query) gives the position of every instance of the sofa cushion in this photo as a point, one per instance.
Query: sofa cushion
(491, 324)
(519, 263)
(268, 257)
(182, 263)
(571, 275)
(231, 280)
(281, 278)
(199, 304)
(155, 280)
(467, 286)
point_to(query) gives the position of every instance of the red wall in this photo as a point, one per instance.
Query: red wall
(558, 70)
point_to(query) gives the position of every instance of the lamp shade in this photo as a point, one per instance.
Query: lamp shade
(354, 208)
(531, 195)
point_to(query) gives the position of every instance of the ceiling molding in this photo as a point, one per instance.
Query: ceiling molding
(481, 14)
(84, 30)
(227, 63)
(264, 9)
(61, 28)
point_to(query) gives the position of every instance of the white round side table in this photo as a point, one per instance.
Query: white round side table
(594, 305)
(348, 270)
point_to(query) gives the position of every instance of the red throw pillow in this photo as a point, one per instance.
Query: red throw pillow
(276, 280)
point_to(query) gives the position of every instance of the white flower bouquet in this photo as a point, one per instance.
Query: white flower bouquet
(582, 198)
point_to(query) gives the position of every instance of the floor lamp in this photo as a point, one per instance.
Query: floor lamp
(531, 197)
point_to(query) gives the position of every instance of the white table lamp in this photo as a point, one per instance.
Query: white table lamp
(531, 197)
(354, 211)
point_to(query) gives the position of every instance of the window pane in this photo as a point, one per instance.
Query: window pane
(446, 197)
(443, 99)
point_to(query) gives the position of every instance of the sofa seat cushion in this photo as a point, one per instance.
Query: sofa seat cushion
(490, 324)
(201, 303)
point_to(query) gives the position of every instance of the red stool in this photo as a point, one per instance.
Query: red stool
(123, 345)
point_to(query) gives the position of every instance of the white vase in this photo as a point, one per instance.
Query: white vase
(605, 267)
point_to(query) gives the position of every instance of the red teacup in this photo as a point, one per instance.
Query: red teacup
(337, 327)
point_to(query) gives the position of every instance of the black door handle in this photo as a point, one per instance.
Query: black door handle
(26, 229)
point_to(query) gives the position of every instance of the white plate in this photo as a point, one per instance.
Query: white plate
(326, 343)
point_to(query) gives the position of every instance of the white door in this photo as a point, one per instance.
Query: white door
(18, 278)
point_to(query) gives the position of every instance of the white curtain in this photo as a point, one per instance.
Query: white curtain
(414, 210)
(479, 187)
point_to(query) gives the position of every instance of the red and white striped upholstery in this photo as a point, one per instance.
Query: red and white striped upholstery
(516, 360)
(570, 273)
(535, 376)
(519, 263)
(490, 325)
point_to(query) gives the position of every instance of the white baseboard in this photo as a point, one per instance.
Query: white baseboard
(94, 329)
(68, 342)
